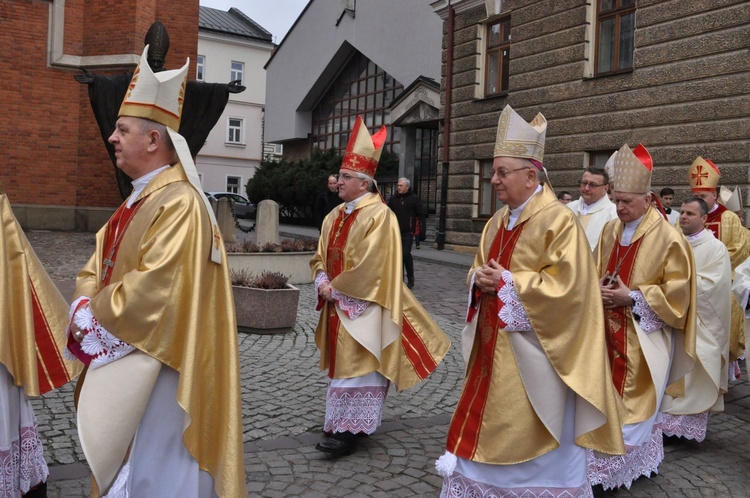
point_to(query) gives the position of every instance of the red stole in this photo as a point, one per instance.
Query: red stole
(116, 227)
(616, 319)
(51, 371)
(463, 434)
(713, 222)
(334, 266)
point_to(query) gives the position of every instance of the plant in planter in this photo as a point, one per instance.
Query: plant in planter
(265, 303)
(292, 257)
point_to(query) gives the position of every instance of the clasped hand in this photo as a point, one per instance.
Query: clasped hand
(488, 276)
(616, 294)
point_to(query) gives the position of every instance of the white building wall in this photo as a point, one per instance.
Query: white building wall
(403, 37)
(218, 159)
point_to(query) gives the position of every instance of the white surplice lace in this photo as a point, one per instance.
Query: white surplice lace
(352, 306)
(649, 321)
(98, 342)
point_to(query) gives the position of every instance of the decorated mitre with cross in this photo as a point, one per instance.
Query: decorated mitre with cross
(159, 97)
(703, 175)
(517, 138)
(363, 151)
(633, 170)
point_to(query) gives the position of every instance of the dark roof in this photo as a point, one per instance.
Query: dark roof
(233, 23)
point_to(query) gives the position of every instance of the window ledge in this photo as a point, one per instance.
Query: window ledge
(607, 75)
(491, 97)
(233, 144)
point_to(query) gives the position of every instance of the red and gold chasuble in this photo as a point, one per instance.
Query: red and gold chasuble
(463, 434)
(713, 221)
(334, 266)
(616, 320)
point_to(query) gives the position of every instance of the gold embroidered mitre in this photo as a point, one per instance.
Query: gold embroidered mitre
(633, 170)
(363, 151)
(703, 175)
(156, 96)
(731, 200)
(517, 138)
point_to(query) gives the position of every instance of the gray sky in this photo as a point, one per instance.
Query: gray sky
(276, 16)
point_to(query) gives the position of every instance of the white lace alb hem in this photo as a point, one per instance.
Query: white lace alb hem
(649, 320)
(686, 426)
(22, 464)
(460, 486)
(512, 312)
(622, 470)
(354, 409)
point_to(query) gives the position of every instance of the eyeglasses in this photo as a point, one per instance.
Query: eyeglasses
(346, 177)
(503, 173)
(592, 185)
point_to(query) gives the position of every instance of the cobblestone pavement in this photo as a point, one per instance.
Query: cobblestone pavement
(283, 406)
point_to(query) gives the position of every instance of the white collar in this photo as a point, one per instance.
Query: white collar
(716, 206)
(349, 207)
(140, 183)
(696, 236)
(597, 206)
(516, 212)
(629, 231)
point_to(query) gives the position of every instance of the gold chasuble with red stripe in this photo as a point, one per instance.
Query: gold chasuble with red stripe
(728, 228)
(667, 282)
(33, 314)
(504, 415)
(361, 254)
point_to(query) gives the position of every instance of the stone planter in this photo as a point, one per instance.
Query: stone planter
(294, 264)
(265, 311)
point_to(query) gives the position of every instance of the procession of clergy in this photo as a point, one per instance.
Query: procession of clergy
(592, 329)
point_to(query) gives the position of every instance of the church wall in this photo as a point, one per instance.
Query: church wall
(687, 95)
(52, 159)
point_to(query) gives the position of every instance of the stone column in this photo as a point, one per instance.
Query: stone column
(267, 223)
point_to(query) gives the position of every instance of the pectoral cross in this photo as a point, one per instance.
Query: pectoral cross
(611, 279)
(107, 265)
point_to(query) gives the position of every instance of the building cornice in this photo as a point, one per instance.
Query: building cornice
(441, 7)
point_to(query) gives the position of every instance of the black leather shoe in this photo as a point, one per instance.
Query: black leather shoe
(335, 447)
(410, 284)
(40, 491)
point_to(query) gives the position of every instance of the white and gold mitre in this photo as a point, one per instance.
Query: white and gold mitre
(517, 138)
(156, 96)
(703, 175)
(633, 170)
(609, 166)
(731, 200)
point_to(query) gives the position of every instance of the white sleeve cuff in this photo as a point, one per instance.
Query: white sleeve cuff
(512, 312)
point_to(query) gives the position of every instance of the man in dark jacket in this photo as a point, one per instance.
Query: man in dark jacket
(326, 201)
(408, 209)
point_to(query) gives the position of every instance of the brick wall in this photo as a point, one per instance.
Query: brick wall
(51, 150)
(688, 94)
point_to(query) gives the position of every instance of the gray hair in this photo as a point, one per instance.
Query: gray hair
(146, 126)
(406, 181)
(372, 185)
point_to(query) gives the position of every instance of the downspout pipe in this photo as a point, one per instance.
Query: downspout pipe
(440, 240)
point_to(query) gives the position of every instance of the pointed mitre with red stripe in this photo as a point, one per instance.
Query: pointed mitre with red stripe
(703, 175)
(633, 170)
(363, 151)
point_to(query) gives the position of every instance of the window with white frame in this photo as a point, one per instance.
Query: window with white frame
(497, 56)
(200, 69)
(233, 184)
(615, 36)
(237, 72)
(235, 130)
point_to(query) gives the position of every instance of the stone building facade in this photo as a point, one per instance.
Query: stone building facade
(672, 75)
(53, 162)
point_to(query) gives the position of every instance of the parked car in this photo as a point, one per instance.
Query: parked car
(243, 208)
